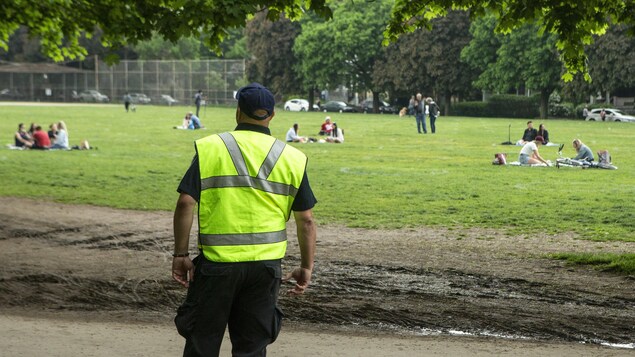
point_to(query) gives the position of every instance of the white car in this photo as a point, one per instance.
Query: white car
(298, 105)
(611, 115)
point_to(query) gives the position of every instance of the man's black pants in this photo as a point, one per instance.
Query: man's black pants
(242, 296)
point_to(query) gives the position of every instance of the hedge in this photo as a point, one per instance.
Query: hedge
(500, 106)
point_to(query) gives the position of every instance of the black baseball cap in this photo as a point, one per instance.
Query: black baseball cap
(253, 97)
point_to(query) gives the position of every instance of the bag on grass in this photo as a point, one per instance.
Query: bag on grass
(604, 157)
(500, 159)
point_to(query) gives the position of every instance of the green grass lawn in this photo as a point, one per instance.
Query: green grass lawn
(384, 176)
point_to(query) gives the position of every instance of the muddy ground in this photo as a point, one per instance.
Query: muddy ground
(77, 258)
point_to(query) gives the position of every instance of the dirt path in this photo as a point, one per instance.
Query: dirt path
(80, 260)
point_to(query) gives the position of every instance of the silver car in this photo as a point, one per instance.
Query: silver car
(92, 95)
(139, 98)
(611, 115)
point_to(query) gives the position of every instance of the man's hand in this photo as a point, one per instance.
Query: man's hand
(302, 277)
(183, 270)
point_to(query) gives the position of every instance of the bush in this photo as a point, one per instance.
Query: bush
(470, 109)
(501, 106)
(562, 110)
(514, 106)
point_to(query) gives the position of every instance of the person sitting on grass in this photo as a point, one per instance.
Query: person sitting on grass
(195, 122)
(41, 139)
(529, 154)
(293, 136)
(61, 136)
(542, 131)
(337, 135)
(584, 153)
(326, 127)
(22, 137)
(528, 135)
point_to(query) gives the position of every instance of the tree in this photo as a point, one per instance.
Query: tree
(234, 46)
(428, 61)
(272, 62)
(611, 65)
(441, 55)
(344, 49)
(402, 71)
(574, 23)
(159, 49)
(525, 58)
(60, 23)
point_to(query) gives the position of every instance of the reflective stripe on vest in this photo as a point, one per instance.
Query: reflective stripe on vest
(248, 183)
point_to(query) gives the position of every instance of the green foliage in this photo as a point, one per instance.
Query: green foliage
(60, 23)
(574, 23)
(499, 106)
(428, 61)
(159, 49)
(522, 59)
(471, 109)
(384, 175)
(621, 263)
(344, 48)
(513, 106)
(272, 61)
(562, 110)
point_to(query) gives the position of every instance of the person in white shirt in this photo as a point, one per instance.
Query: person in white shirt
(61, 137)
(337, 135)
(529, 154)
(293, 137)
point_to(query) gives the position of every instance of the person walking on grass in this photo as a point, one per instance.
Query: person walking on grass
(198, 99)
(433, 111)
(246, 184)
(420, 116)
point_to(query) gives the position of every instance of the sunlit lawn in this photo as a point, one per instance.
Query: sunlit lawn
(384, 176)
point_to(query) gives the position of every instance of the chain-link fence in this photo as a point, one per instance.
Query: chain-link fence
(218, 79)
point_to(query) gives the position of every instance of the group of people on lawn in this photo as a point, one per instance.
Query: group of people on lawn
(329, 130)
(533, 138)
(36, 138)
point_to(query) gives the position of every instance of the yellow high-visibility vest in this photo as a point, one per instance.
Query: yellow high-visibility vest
(248, 184)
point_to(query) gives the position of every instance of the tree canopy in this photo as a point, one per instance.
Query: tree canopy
(574, 23)
(60, 23)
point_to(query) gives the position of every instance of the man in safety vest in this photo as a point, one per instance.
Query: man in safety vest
(246, 183)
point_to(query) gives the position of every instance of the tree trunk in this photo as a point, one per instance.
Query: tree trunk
(311, 98)
(544, 103)
(447, 100)
(375, 101)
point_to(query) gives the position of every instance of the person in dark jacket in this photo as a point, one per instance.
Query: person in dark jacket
(528, 135)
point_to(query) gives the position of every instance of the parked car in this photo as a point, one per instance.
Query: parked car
(92, 95)
(299, 105)
(11, 94)
(166, 99)
(337, 106)
(611, 115)
(139, 98)
(384, 108)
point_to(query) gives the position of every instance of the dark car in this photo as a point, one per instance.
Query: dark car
(384, 108)
(337, 106)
